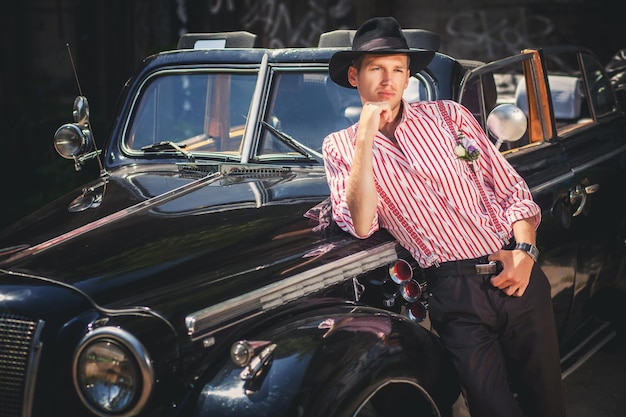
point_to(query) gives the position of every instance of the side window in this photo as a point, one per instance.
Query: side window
(504, 84)
(574, 83)
(600, 90)
(566, 81)
(481, 95)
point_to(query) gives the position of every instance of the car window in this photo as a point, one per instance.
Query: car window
(305, 106)
(601, 96)
(494, 85)
(570, 101)
(198, 112)
(575, 102)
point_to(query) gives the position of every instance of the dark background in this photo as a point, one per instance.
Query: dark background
(109, 39)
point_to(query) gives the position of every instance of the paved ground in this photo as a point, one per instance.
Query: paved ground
(597, 388)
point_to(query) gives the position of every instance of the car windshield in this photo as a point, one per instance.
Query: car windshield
(192, 114)
(304, 107)
(203, 114)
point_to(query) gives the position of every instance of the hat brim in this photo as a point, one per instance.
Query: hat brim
(341, 61)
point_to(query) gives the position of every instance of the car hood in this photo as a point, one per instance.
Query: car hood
(158, 238)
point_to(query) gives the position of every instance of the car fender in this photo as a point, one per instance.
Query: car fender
(331, 363)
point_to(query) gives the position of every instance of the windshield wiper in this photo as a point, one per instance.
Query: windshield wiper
(293, 143)
(168, 145)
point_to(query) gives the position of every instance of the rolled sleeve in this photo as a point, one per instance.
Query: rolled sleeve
(525, 209)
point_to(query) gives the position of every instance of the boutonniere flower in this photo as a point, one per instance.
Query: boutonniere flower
(465, 149)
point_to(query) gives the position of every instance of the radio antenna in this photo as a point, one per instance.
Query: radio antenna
(69, 51)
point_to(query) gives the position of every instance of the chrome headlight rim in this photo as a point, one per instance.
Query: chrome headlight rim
(71, 141)
(142, 361)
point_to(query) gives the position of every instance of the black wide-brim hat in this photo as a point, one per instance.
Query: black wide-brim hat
(379, 35)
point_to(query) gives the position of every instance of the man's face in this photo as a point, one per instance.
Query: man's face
(381, 78)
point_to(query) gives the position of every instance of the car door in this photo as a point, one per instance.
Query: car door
(590, 127)
(537, 156)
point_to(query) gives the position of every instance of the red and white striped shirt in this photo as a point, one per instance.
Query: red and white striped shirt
(432, 187)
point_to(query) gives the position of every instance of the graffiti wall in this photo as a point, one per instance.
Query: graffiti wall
(277, 23)
(280, 24)
(491, 35)
(483, 29)
(489, 31)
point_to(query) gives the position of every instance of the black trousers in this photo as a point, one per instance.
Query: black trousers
(504, 348)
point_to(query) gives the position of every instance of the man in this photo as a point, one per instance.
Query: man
(427, 173)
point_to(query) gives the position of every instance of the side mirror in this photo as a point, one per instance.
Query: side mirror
(81, 110)
(506, 123)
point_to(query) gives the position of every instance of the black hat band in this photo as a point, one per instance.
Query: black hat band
(382, 43)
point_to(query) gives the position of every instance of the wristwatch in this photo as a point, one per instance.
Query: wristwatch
(530, 249)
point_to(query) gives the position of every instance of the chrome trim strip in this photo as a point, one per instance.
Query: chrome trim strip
(599, 160)
(290, 289)
(549, 184)
(577, 170)
(606, 327)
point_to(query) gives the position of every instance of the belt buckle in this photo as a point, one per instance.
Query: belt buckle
(486, 269)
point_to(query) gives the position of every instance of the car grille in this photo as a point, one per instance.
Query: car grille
(19, 351)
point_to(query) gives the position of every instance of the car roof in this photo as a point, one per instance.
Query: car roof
(242, 56)
(238, 47)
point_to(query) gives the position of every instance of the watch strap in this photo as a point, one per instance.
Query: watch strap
(529, 248)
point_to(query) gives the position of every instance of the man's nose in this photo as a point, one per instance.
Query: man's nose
(386, 76)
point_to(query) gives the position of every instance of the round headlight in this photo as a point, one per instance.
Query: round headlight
(71, 141)
(112, 372)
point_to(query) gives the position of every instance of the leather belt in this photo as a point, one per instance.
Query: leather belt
(477, 266)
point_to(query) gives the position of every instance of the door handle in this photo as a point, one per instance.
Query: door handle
(579, 195)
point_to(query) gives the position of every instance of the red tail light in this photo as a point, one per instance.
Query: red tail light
(416, 311)
(401, 271)
(411, 291)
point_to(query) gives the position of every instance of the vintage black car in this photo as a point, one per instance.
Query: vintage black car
(201, 275)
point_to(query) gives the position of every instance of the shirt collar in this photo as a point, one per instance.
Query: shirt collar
(408, 112)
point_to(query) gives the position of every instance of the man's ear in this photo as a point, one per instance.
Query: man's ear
(352, 79)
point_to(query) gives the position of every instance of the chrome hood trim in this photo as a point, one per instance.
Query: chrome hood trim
(234, 310)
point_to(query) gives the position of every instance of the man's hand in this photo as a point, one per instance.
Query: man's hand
(515, 275)
(374, 115)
